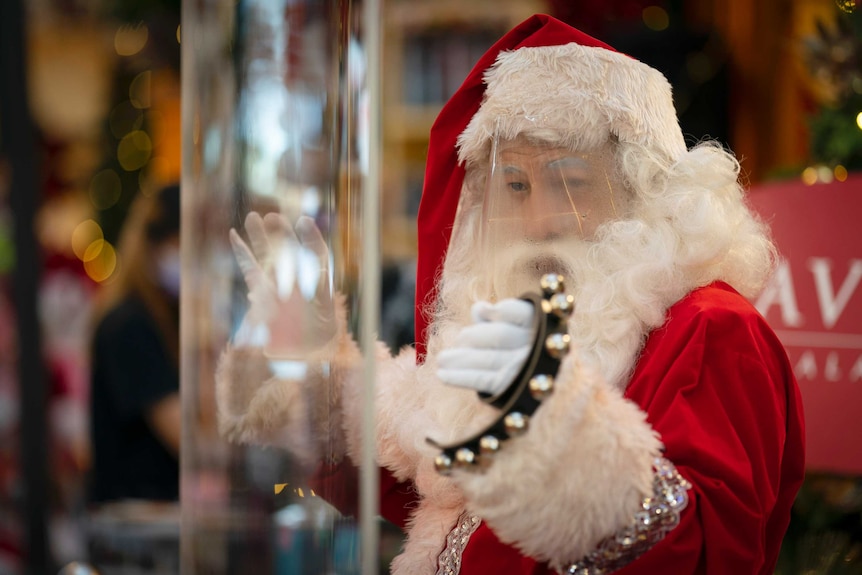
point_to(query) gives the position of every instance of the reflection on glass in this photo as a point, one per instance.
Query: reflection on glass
(273, 122)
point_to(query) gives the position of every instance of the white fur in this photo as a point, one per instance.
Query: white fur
(580, 94)
(411, 405)
(578, 475)
(303, 417)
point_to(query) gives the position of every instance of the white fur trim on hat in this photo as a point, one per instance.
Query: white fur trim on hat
(581, 94)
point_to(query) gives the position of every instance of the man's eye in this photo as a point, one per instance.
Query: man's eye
(519, 187)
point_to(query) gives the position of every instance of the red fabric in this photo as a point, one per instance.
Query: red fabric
(716, 384)
(338, 484)
(443, 175)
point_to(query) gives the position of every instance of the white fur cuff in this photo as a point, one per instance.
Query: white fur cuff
(577, 476)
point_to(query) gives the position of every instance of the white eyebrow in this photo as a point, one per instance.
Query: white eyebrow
(567, 162)
(512, 170)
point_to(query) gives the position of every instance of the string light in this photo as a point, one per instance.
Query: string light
(124, 118)
(655, 18)
(134, 150)
(846, 5)
(105, 189)
(139, 90)
(822, 174)
(84, 235)
(129, 40)
(103, 264)
(840, 173)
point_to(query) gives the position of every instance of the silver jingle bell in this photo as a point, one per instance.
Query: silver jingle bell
(443, 464)
(557, 344)
(516, 423)
(552, 283)
(562, 305)
(541, 386)
(489, 445)
(465, 457)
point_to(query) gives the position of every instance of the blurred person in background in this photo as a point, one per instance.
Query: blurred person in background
(135, 401)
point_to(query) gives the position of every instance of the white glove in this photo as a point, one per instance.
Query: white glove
(288, 285)
(487, 355)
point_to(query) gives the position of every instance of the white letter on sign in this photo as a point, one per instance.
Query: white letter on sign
(780, 291)
(832, 304)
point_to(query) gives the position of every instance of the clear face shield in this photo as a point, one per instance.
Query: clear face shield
(542, 206)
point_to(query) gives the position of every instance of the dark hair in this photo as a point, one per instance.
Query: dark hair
(166, 217)
(152, 218)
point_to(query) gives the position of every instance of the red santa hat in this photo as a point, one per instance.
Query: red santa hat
(543, 70)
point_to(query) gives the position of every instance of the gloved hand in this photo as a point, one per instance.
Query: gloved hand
(286, 272)
(487, 355)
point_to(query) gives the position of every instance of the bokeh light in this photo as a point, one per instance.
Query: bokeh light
(7, 250)
(84, 235)
(125, 118)
(699, 66)
(103, 261)
(93, 250)
(840, 173)
(129, 40)
(105, 189)
(139, 90)
(846, 5)
(859, 120)
(655, 18)
(823, 174)
(134, 150)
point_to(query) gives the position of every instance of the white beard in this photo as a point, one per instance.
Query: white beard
(511, 271)
(518, 268)
(621, 290)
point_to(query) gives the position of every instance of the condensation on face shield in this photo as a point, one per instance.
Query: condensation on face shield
(542, 206)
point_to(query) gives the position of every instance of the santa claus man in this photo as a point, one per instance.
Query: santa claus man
(637, 415)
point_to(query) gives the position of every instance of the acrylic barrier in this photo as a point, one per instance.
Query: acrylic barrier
(275, 122)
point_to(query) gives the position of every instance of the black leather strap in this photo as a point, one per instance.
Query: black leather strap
(519, 401)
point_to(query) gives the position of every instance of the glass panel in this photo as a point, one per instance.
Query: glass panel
(274, 110)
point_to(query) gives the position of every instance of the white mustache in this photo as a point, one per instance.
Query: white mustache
(521, 266)
(547, 264)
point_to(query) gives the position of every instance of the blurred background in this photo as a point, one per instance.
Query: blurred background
(90, 128)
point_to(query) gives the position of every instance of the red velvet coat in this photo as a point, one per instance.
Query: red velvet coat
(716, 385)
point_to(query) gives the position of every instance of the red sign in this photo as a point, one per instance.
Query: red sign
(814, 303)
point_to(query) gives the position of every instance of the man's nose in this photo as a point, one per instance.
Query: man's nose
(545, 218)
